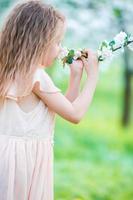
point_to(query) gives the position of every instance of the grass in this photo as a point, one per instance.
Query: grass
(94, 159)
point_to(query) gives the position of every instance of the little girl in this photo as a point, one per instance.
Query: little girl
(29, 42)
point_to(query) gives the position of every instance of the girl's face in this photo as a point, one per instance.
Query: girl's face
(55, 48)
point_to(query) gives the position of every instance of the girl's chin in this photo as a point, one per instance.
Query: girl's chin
(49, 63)
(46, 65)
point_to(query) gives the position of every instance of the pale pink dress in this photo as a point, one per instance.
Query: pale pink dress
(26, 146)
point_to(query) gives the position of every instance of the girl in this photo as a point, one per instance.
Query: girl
(29, 42)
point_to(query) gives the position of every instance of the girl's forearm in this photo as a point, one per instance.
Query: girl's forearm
(82, 102)
(73, 88)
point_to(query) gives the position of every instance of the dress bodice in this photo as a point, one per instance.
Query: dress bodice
(39, 121)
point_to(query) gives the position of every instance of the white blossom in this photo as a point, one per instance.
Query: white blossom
(130, 46)
(130, 38)
(120, 39)
(105, 53)
(77, 55)
(99, 53)
(63, 53)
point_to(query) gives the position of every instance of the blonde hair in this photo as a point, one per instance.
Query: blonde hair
(28, 31)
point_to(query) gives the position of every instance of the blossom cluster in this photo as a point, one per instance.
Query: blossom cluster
(105, 50)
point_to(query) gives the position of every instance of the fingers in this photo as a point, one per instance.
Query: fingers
(92, 57)
(84, 60)
(90, 52)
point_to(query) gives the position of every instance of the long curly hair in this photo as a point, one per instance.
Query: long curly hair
(28, 30)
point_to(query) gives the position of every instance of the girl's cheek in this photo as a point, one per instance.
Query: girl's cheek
(52, 56)
(58, 51)
(55, 52)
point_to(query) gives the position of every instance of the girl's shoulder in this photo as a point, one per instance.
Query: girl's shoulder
(42, 79)
(45, 82)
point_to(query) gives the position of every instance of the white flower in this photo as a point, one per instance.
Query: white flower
(130, 46)
(105, 53)
(99, 53)
(120, 39)
(130, 38)
(77, 55)
(63, 53)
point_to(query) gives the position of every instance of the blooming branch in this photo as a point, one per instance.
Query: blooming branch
(106, 49)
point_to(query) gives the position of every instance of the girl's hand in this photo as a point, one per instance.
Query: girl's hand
(91, 64)
(76, 68)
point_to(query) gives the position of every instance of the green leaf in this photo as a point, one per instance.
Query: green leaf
(103, 44)
(112, 43)
(117, 12)
(71, 53)
(69, 60)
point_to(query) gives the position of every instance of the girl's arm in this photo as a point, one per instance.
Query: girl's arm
(76, 71)
(73, 111)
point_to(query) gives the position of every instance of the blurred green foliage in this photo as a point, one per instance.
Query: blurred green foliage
(4, 4)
